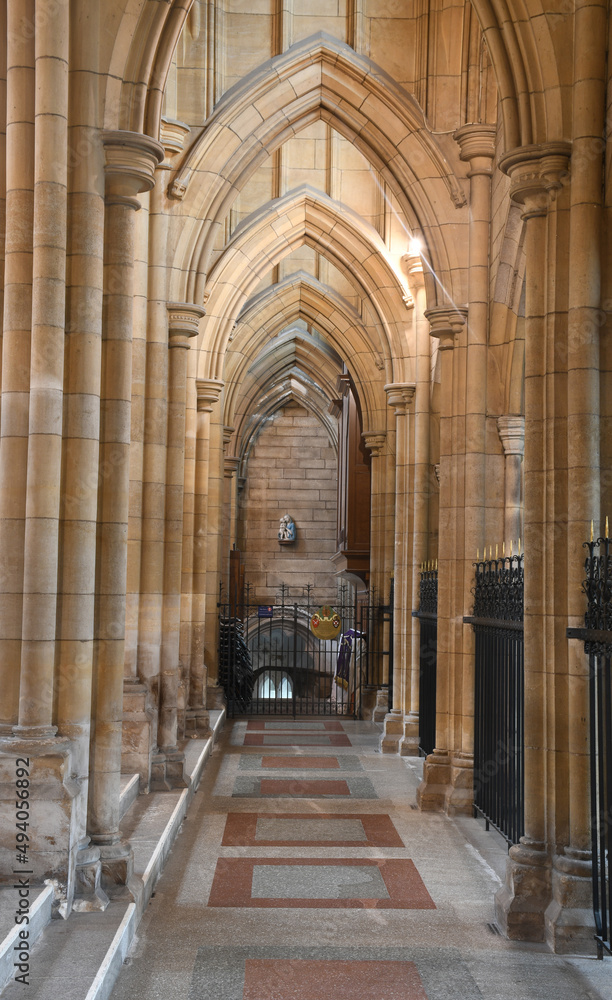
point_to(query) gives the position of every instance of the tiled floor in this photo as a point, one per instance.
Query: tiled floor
(307, 873)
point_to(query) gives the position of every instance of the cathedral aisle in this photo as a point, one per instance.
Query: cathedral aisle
(305, 871)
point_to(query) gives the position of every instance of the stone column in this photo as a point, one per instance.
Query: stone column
(512, 436)
(477, 145)
(521, 903)
(208, 393)
(419, 494)
(446, 322)
(82, 375)
(17, 320)
(231, 468)
(131, 159)
(375, 442)
(399, 395)
(213, 555)
(183, 324)
(569, 918)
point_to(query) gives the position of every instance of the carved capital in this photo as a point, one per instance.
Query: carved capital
(208, 393)
(445, 323)
(374, 442)
(536, 173)
(477, 147)
(131, 160)
(399, 395)
(511, 431)
(231, 465)
(183, 322)
(173, 134)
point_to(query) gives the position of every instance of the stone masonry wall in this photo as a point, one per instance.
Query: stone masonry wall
(292, 469)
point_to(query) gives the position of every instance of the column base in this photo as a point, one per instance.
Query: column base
(521, 903)
(117, 877)
(459, 799)
(433, 789)
(167, 770)
(392, 733)
(88, 892)
(215, 697)
(409, 743)
(197, 722)
(137, 731)
(569, 920)
(381, 707)
(45, 764)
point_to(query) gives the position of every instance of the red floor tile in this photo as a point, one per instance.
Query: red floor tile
(234, 878)
(240, 830)
(297, 979)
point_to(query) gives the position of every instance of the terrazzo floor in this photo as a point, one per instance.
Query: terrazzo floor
(304, 871)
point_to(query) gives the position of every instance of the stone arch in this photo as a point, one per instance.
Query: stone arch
(300, 296)
(526, 68)
(319, 77)
(304, 216)
(147, 35)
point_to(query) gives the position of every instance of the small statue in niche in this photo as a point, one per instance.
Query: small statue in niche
(286, 530)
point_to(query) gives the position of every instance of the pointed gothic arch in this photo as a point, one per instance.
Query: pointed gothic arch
(304, 216)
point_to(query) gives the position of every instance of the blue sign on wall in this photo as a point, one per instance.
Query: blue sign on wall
(265, 611)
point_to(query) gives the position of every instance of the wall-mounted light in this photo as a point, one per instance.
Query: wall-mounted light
(414, 247)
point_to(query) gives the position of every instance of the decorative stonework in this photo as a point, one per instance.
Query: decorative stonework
(511, 431)
(445, 323)
(208, 393)
(183, 322)
(400, 394)
(131, 160)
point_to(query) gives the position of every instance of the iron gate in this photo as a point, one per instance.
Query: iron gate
(597, 638)
(428, 656)
(499, 777)
(272, 662)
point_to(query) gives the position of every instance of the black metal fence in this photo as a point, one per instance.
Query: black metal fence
(301, 656)
(597, 638)
(499, 699)
(428, 656)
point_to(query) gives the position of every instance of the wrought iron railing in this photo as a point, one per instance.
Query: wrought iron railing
(499, 694)
(597, 638)
(272, 660)
(428, 655)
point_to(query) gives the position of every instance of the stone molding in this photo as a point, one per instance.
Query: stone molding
(375, 442)
(208, 393)
(536, 173)
(445, 323)
(399, 395)
(477, 147)
(172, 134)
(231, 464)
(511, 430)
(183, 322)
(131, 161)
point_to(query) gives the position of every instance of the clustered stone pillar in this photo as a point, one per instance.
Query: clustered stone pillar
(208, 394)
(512, 436)
(535, 173)
(446, 322)
(130, 168)
(17, 321)
(399, 396)
(569, 917)
(182, 326)
(419, 492)
(477, 145)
